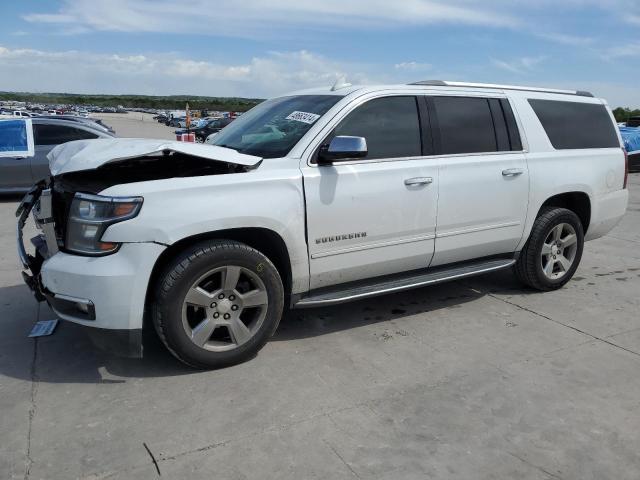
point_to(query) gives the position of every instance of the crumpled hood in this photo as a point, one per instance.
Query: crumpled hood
(91, 154)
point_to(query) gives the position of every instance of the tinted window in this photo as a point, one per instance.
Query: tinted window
(576, 125)
(466, 125)
(390, 125)
(57, 134)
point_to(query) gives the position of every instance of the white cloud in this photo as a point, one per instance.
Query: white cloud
(565, 39)
(167, 74)
(519, 66)
(250, 17)
(622, 50)
(413, 66)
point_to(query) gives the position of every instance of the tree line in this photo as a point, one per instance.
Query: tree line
(171, 102)
(623, 114)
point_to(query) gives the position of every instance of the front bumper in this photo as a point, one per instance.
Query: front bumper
(106, 294)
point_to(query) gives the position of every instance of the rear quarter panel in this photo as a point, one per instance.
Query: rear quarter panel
(597, 172)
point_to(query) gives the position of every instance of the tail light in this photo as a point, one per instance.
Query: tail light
(626, 168)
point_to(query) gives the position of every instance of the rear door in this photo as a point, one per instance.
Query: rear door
(16, 149)
(373, 216)
(484, 180)
(48, 136)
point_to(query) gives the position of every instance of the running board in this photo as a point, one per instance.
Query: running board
(388, 284)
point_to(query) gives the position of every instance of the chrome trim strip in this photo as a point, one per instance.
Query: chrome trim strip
(107, 199)
(347, 298)
(22, 253)
(70, 298)
(369, 246)
(43, 214)
(477, 229)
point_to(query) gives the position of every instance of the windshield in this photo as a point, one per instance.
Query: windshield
(271, 129)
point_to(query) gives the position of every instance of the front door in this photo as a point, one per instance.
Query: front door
(377, 215)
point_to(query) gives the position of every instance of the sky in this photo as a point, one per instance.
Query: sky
(264, 48)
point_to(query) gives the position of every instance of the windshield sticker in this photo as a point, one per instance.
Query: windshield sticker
(303, 117)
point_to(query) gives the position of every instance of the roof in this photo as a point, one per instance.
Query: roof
(438, 85)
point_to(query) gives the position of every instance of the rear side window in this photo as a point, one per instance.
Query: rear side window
(57, 134)
(390, 125)
(465, 125)
(572, 125)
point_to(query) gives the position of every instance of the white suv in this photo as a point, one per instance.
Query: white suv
(317, 198)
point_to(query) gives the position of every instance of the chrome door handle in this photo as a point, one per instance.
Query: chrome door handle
(512, 172)
(409, 182)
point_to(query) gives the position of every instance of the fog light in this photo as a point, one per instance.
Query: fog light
(82, 307)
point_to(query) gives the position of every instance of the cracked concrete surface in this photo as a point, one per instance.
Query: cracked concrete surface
(475, 379)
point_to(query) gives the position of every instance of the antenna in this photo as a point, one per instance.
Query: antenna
(341, 82)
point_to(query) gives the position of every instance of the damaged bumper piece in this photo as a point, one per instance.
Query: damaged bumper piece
(105, 294)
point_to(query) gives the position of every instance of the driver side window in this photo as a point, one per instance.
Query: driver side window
(390, 125)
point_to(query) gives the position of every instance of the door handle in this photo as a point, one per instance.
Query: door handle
(512, 172)
(410, 182)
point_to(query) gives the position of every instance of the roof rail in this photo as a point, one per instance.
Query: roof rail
(442, 83)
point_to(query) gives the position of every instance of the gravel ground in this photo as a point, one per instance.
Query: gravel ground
(477, 379)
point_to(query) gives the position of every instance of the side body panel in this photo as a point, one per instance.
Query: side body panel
(269, 197)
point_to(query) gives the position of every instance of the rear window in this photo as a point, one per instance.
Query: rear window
(475, 125)
(57, 134)
(573, 125)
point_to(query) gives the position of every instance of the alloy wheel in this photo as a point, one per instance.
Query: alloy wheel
(224, 308)
(559, 251)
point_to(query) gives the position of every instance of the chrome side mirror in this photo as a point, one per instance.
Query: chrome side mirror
(342, 148)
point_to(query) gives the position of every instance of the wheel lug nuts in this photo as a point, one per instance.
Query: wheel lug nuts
(234, 307)
(216, 315)
(227, 316)
(232, 297)
(214, 305)
(221, 296)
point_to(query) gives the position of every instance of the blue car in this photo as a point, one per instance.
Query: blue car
(631, 139)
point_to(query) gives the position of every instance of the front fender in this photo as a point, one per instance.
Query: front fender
(178, 208)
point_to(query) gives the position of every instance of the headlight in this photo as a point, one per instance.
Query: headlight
(89, 217)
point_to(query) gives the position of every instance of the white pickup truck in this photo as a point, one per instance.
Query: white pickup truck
(317, 198)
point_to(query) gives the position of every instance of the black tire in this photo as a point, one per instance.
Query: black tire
(528, 268)
(178, 277)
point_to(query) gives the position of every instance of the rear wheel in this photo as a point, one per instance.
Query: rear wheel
(554, 249)
(217, 304)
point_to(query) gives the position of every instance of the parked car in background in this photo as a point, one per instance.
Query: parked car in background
(633, 122)
(18, 173)
(209, 127)
(631, 139)
(92, 122)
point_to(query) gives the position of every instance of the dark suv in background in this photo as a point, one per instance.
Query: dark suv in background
(212, 126)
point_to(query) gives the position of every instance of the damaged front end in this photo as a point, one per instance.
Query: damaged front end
(70, 200)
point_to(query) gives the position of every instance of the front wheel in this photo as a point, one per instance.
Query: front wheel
(217, 304)
(553, 252)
